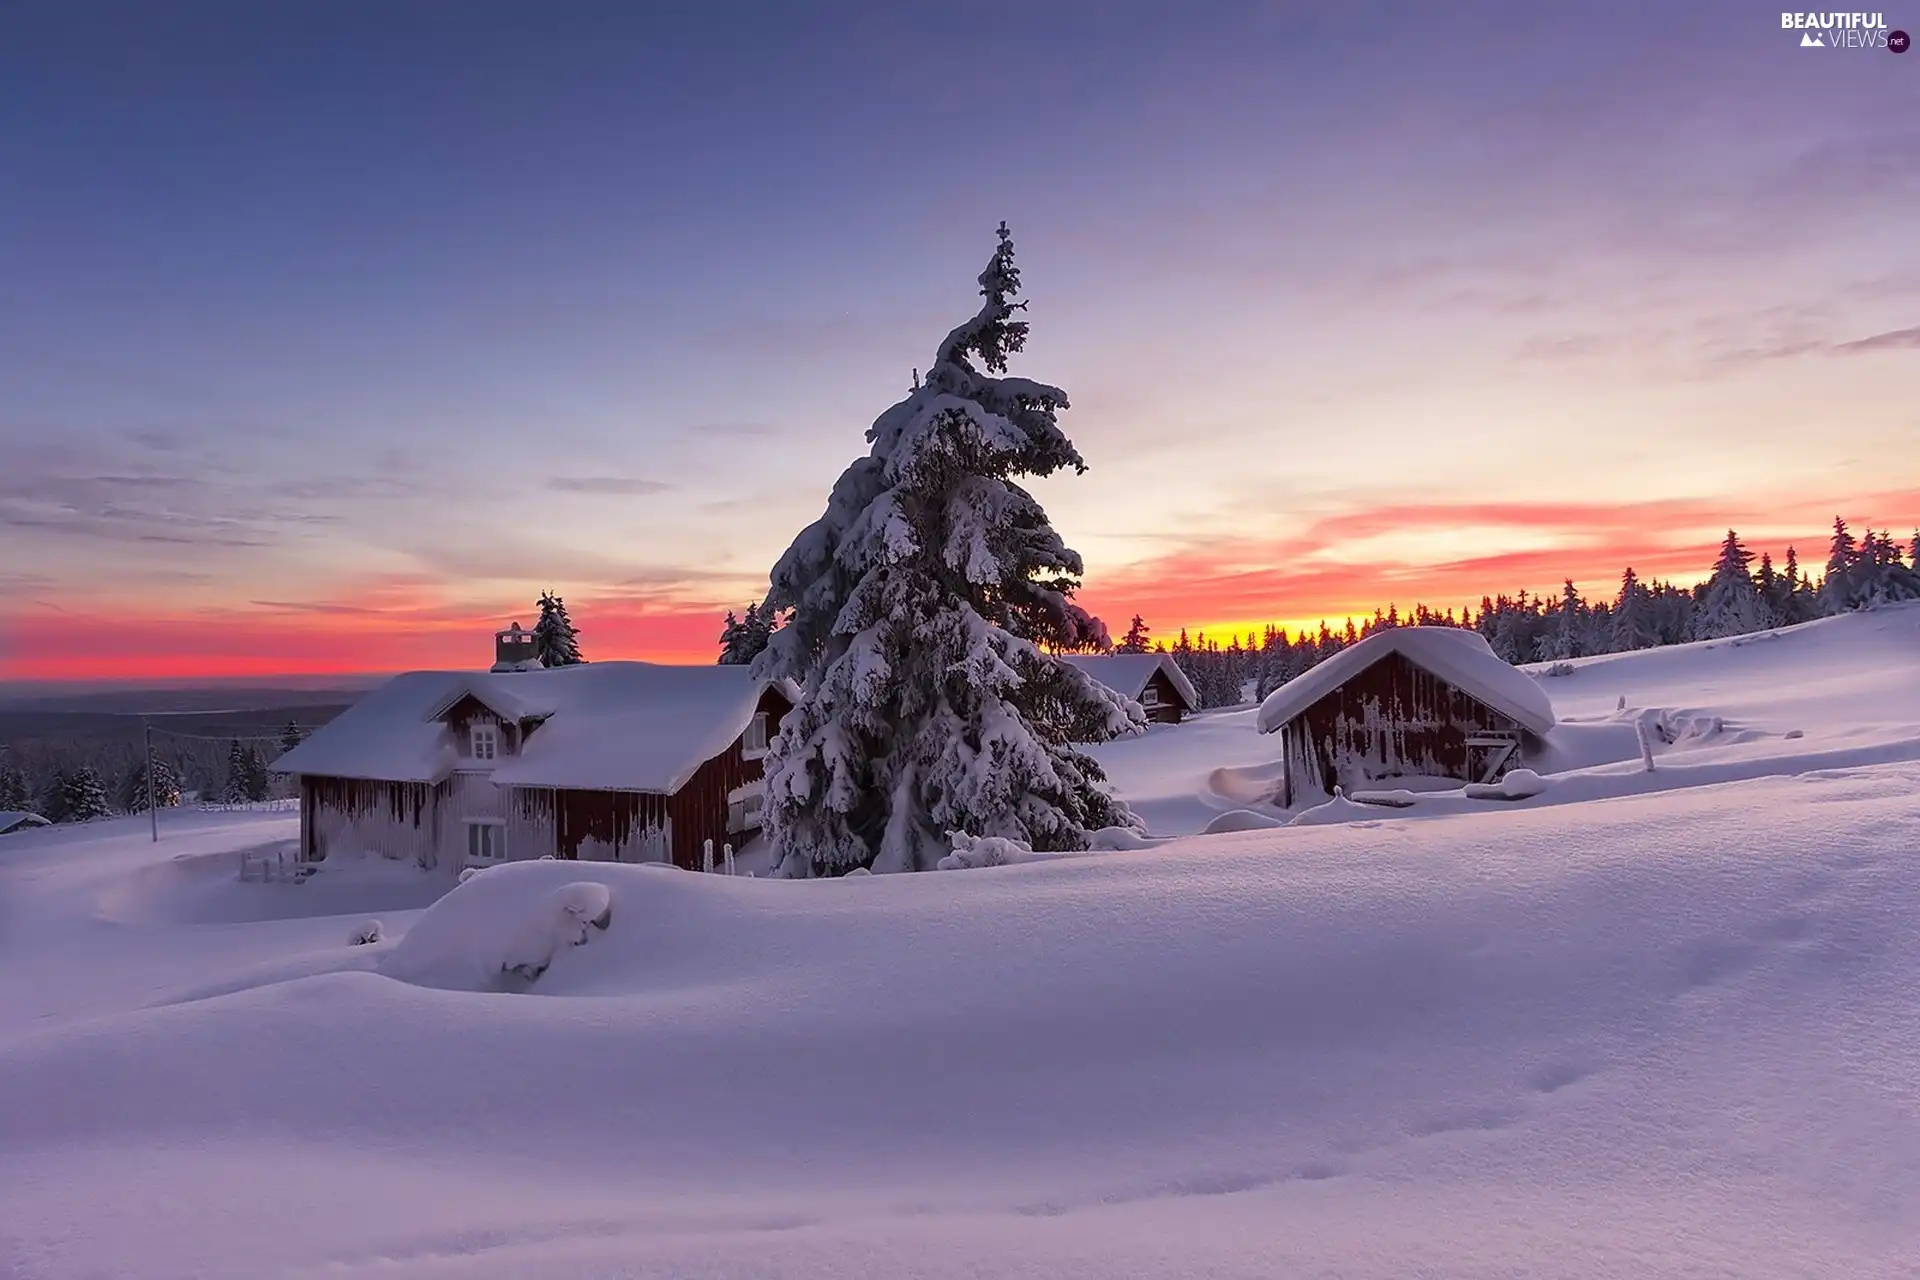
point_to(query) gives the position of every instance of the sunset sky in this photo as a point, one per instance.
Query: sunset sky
(331, 333)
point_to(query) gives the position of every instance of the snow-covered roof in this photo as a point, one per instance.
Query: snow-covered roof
(13, 819)
(606, 726)
(1127, 673)
(1460, 657)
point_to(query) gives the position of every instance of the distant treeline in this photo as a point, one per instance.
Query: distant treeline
(1740, 597)
(72, 766)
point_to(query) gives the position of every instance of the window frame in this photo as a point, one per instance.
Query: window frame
(485, 851)
(747, 808)
(483, 731)
(759, 727)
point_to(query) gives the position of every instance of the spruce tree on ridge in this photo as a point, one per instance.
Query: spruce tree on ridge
(923, 602)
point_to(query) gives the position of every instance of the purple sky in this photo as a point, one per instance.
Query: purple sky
(417, 308)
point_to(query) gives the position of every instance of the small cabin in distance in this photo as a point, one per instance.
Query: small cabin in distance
(1154, 680)
(1408, 702)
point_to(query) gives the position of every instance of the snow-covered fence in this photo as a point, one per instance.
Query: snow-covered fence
(274, 868)
(280, 805)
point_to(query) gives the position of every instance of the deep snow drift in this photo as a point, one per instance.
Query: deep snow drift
(1675, 1033)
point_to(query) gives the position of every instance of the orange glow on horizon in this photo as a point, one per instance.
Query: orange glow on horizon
(1292, 580)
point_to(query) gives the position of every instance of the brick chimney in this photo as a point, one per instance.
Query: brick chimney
(513, 650)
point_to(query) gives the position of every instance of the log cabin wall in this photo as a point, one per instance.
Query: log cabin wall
(699, 808)
(354, 816)
(615, 826)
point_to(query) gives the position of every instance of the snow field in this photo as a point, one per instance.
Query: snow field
(1604, 1031)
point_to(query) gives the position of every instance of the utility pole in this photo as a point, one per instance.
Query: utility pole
(153, 809)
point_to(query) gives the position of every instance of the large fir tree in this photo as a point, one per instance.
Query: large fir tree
(556, 642)
(924, 601)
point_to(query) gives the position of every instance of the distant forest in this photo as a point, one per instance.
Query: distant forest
(1740, 597)
(73, 766)
(69, 766)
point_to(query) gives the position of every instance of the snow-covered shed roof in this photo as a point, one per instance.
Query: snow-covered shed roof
(14, 819)
(1460, 657)
(605, 726)
(1127, 673)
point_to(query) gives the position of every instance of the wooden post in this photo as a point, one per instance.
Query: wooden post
(727, 851)
(153, 810)
(706, 856)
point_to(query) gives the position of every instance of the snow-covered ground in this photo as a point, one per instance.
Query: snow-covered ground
(1606, 1031)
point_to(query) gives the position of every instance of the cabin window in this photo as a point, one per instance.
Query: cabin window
(486, 842)
(745, 810)
(486, 741)
(1150, 696)
(753, 743)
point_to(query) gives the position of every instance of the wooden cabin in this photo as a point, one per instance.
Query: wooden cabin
(604, 761)
(1409, 702)
(1154, 680)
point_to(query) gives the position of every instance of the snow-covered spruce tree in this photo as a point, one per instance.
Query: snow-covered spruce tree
(256, 782)
(1837, 592)
(1135, 641)
(922, 603)
(743, 639)
(556, 643)
(1633, 622)
(83, 796)
(290, 736)
(166, 787)
(1730, 605)
(1883, 577)
(1562, 639)
(235, 790)
(13, 789)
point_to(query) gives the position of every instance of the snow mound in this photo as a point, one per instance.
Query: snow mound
(1118, 839)
(971, 852)
(1518, 784)
(1242, 820)
(1338, 809)
(487, 935)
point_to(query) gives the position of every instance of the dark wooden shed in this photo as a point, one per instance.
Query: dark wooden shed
(1410, 702)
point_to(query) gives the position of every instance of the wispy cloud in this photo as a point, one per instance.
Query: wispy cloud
(619, 486)
(731, 430)
(1892, 340)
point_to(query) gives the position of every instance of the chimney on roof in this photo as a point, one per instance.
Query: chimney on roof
(513, 650)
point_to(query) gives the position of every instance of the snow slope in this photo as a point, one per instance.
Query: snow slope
(1662, 1034)
(1835, 693)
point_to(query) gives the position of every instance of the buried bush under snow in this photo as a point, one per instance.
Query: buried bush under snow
(1242, 820)
(364, 934)
(970, 852)
(495, 930)
(1516, 784)
(1117, 839)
